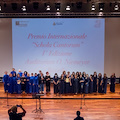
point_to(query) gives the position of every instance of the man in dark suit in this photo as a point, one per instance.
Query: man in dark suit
(78, 116)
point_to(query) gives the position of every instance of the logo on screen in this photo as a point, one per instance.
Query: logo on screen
(57, 23)
(21, 23)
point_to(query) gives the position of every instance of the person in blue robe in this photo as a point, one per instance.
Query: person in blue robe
(91, 84)
(20, 73)
(13, 72)
(25, 73)
(67, 84)
(27, 83)
(35, 84)
(55, 81)
(47, 79)
(112, 82)
(72, 83)
(11, 84)
(104, 84)
(6, 81)
(18, 84)
(76, 85)
(62, 84)
(31, 83)
(95, 82)
(86, 84)
(15, 83)
(100, 80)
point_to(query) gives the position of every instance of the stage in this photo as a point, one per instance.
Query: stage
(64, 107)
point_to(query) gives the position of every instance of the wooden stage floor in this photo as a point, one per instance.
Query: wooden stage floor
(97, 106)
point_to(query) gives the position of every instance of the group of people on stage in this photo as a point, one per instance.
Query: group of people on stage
(67, 83)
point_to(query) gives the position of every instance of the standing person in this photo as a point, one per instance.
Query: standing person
(35, 84)
(105, 79)
(13, 71)
(25, 73)
(20, 73)
(15, 83)
(112, 82)
(78, 116)
(76, 85)
(18, 84)
(100, 80)
(47, 79)
(27, 83)
(72, 83)
(81, 84)
(91, 85)
(68, 84)
(86, 84)
(31, 83)
(95, 82)
(6, 82)
(11, 84)
(55, 81)
(62, 84)
(13, 115)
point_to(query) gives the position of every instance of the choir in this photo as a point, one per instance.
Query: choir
(65, 84)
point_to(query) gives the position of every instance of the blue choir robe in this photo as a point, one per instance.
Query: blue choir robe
(27, 84)
(13, 72)
(112, 84)
(35, 84)
(31, 84)
(11, 85)
(6, 82)
(95, 84)
(15, 84)
(91, 86)
(62, 86)
(20, 73)
(86, 85)
(18, 85)
(72, 86)
(99, 85)
(76, 85)
(55, 86)
(104, 84)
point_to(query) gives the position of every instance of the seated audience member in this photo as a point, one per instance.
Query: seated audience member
(13, 115)
(78, 116)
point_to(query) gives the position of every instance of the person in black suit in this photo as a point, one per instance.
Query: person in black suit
(78, 116)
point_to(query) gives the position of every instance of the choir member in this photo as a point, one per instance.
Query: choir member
(20, 73)
(84, 75)
(56, 82)
(27, 83)
(35, 84)
(23, 83)
(72, 83)
(73, 74)
(11, 84)
(31, 83)
(100, 80)
(81, 84)
(76, 85)
(95, 82)
(13, 71)
(6, 81)
(25, 73)
(68, 84)
(47, 78)
(41, 82)
(15, 82)
(64, 73)
(91, 85)
(18, 84)
(62, 84)
(105, 79)
(112, 82)
(86, 84)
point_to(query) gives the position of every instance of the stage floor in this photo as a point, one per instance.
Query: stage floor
(65, 109)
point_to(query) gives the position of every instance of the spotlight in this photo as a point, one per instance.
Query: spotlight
(0, 8)
(93, 7)
(116, 7)
(57, 6)
(68, 8)
(48, 8)
(23, 8)
(35, 5)
(14, 6)
(101, 6)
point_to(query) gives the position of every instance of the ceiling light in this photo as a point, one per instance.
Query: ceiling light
(116, 7)
(48, 8)
(68, 8)
(93, 7)
(23, 8)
